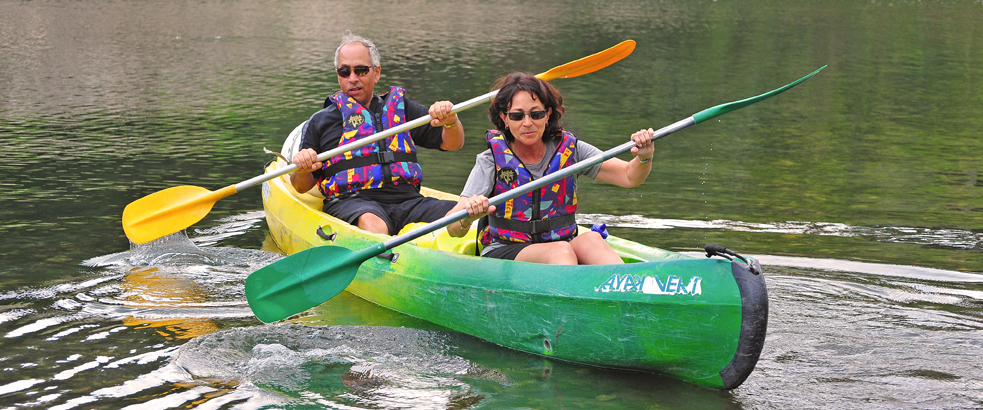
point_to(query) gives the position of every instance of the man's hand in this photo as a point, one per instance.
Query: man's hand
(441, 113)
(306, 161)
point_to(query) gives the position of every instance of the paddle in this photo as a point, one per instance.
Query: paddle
(310, 277)
(173, 209)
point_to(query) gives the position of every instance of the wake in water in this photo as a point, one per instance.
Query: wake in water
(132, 311)
(174, 277)
(293, 366)
(886, 342)
(166, 325)
(949, 238)
(178, 249)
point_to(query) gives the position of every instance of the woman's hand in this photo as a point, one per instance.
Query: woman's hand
(477, 207)
(632, 173)
(644, 146)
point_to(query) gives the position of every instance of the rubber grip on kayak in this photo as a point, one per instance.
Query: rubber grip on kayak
(721, 251)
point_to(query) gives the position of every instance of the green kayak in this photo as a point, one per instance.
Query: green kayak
(696, 319)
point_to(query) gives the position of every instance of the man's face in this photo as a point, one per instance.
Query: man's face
(358, 87)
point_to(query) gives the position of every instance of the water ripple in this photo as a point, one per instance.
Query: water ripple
(951, 238)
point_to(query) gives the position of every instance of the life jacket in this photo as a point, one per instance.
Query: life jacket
(392, 160)
(544, 215)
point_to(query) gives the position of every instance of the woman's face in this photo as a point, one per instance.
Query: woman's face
(527, 131)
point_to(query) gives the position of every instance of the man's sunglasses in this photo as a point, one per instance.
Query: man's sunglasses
(360, 70)
(536, 115)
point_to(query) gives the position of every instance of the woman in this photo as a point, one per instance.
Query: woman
(527, 144)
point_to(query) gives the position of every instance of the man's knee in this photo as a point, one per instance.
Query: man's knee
(372, 223)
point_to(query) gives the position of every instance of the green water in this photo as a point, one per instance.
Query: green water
(875, 160)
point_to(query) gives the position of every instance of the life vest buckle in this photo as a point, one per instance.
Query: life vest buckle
(386, 157)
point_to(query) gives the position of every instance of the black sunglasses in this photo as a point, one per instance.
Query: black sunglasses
(536, 115)
(360, 70)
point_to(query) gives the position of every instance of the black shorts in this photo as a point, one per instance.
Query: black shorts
(396, 216)
(509, 251)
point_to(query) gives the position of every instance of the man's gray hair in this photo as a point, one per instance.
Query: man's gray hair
(349, 38)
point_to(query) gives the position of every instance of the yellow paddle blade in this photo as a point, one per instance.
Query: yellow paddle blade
(590, 63)
(165, 212)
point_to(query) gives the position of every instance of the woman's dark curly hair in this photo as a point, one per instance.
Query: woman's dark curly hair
(541, 90)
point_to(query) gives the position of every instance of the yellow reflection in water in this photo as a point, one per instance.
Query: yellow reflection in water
(148, 288)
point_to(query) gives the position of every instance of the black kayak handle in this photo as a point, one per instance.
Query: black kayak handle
(717, 250)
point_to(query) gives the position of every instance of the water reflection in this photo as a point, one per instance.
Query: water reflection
(144, 287)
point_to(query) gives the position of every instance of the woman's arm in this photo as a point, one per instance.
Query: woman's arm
(480, 184)
(630, 174)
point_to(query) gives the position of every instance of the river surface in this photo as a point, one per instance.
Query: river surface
(860, 191)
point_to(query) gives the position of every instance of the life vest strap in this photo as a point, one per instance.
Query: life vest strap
(532, 227)
(385, 157)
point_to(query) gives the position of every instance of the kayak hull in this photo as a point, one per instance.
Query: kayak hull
(695, 319)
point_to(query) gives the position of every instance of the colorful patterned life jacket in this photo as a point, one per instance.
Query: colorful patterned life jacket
(544, 215)
(369, 166)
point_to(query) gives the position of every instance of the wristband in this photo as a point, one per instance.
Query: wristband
(451, 124)
(644, 161)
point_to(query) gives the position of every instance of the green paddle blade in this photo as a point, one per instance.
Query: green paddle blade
(736, 105)
(303, 280)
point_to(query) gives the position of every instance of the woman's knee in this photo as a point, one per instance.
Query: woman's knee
(563, 254)
(590, 237)
(592, 249)
(554, 253)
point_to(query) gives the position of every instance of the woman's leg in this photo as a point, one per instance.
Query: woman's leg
(554, 253)
(592, 249)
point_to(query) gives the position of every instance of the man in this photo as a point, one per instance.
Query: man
(375, 187)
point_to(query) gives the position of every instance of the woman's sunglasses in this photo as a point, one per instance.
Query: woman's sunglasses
(360, 70)
(536, 115)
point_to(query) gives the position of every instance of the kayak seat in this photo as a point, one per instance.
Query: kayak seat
(441, 240)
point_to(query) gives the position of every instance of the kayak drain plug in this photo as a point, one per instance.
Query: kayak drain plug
(717, 250)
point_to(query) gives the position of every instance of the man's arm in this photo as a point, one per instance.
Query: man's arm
(306, 161)
(321, 133)
(432, 136)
